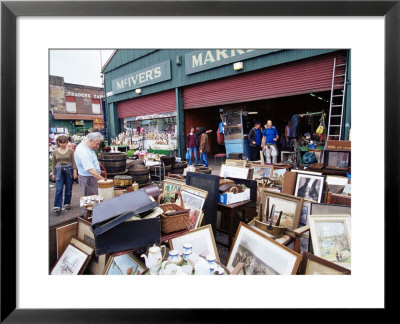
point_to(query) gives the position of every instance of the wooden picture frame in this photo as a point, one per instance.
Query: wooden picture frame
(260, 254)
(236, 163)
(97, 263)
(171, 185)
(234, 172)
(74, 259)
(329, 209)
(202, 240)
(279, 174)
(260, 170)
(196, 218)
(310, 186)
(124, 264)
(288, 204)
(314, 265)
(331, 238)
(64, 235)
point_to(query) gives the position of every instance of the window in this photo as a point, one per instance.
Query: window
(70, 104)
(96, 106)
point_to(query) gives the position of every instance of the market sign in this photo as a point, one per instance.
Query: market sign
(153, 74)
(201, 60)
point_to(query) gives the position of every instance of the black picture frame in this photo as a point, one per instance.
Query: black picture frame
(10, 10)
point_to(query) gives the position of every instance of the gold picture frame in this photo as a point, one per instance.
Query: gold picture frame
(237, 163)
(124, 264)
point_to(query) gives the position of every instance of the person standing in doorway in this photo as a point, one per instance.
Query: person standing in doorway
(204, 147)
(64, 173)
(88, 165)
(192, 145)
(255, 141)
(270, 137)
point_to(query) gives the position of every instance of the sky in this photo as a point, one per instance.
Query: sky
(79, 66)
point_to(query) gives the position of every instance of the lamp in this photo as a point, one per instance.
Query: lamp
(238, 66)
(138, 91)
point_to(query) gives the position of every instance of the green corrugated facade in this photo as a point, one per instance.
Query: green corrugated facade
(129, 60)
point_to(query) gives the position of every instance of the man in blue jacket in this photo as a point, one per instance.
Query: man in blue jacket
(269, 140)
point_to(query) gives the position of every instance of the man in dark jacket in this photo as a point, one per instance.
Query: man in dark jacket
(254, 138)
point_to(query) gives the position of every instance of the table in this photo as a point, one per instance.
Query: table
(229, 212)
(165, 152)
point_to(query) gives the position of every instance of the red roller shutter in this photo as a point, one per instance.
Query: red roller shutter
(152, 104)
(299, 77)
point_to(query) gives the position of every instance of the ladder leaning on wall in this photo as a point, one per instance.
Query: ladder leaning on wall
(336, 105)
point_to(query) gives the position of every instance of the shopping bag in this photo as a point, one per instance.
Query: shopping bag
(187, 155)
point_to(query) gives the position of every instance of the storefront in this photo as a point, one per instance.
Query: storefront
(261, 84)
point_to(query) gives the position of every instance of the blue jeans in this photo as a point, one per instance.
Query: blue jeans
(194, 151)
(204, 159)
(64, 176)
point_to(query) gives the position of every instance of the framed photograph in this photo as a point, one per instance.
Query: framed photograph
(192, 201)
(64, 235)
(74, 259)
(261, 171)
(288, 204)
(260, 254)
(313, 265)
(125, 264)
(329, 209)
(331, 238)
(236, 163)
(96, 264)
(337, 160)
(202, 240)
(169, 185)
(233, 172)
(278, 174)
(310, 187)
(196, 217)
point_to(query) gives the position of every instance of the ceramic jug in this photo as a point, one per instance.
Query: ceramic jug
(154, 258)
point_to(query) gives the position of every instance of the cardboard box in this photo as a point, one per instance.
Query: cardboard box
(232, 198)
(126, 222)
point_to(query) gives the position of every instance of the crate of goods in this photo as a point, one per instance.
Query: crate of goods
(232, 197)
(126, 222)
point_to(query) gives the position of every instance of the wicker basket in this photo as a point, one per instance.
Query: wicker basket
(176, 222)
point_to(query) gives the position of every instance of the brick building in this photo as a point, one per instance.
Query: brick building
(74, 108)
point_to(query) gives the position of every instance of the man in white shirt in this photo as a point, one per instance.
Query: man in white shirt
(88, 164)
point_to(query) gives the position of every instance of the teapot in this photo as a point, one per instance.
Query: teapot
(201, 267)
(154, 258)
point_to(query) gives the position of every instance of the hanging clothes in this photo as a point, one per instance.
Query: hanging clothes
(295, 120)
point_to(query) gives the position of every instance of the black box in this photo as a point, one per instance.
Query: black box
(115, 232)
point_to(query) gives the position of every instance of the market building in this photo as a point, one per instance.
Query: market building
(168, 90)
(74, 108)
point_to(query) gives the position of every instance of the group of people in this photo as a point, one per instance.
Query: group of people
(194, 145)
(265, 141)
(81, 164)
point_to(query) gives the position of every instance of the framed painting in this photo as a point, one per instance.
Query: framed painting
(234, 172)
(260, 254)
(310, 187)
(196, 218)
(329, 209)
(261, 171)
(289, 205)
(74, 259)
(313, 265)
(202, 240)
(236, 163)
(98, 262)
(125, 264)
(278, 174)
(331, 238)
(390, 11)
